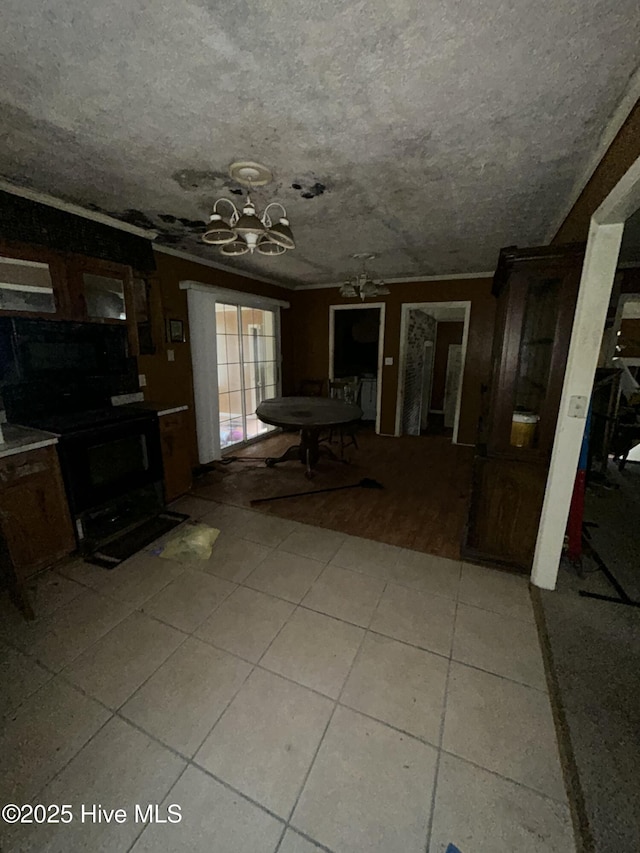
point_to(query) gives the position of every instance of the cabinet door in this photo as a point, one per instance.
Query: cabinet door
(33, 511)
(506, 502)
(176, 457)
(102, 292)
(535, 320)
(32, 282)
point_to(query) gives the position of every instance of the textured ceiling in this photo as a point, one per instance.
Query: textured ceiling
(430, 133)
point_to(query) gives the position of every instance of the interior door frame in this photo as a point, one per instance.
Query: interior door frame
(365, 305)
(596, 283)
(402, 358)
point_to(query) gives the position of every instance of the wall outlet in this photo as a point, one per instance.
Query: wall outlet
(142, 380)
(388, 360)
(171, 355)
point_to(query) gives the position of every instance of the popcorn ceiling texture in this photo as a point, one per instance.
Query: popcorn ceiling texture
(431, 133)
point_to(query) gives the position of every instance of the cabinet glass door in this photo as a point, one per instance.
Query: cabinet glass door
(535, 355)
(26, 286)
(247, 370)
(104, 297)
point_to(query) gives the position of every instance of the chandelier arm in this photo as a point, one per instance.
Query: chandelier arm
(234, 216)
(275, 204)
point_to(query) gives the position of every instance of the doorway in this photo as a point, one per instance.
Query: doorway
(433, 343)
(235, 356)
(247, 370)
(356, 346)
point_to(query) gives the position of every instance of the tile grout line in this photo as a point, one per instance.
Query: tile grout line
(509, 779)
(436, 773)
(331, 716)
(147, 825)
(55, 775)
(324, 733)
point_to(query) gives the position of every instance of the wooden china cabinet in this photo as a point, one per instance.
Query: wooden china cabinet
(536, 291)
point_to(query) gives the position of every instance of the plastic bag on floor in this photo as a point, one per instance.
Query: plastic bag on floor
(190, 542)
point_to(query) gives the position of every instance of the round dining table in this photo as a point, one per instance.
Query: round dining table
(309, 415)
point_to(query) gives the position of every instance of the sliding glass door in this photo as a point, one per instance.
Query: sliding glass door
(247, 355)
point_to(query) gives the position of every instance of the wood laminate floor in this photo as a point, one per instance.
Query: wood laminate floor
(423, 505)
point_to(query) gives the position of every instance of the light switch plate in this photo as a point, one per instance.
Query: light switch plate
(578, 407)
(171, 355)
(142, 380)
(388, 360)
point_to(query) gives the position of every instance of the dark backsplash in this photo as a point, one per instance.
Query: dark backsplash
(49, 366)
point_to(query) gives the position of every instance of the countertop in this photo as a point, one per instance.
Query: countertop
(19, 439)
(160, 408)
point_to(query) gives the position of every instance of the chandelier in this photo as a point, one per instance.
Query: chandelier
(245, 231)
(361, 285)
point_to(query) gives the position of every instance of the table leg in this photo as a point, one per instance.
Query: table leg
(308, 451)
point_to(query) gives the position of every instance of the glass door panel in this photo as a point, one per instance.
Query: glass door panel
(26, 286)
(104, 297)
(247, 370)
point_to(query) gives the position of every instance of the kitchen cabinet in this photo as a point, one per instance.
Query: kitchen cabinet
(536, 291)
(39, 282)
(35, 524)
(176, 454)
(32, 281)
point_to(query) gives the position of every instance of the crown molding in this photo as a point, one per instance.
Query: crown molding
(414, 279)
(76, 210)
(205, 262)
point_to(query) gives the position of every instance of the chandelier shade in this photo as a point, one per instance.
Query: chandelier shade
(238, 247)
(219, 231)
(247, 231)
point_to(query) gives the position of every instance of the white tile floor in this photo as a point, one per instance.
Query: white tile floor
(300, 691)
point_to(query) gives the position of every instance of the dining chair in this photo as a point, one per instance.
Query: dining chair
(347, 389)
(311, 387)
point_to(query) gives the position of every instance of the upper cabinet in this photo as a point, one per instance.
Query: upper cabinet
(38, 282)
(30, 280)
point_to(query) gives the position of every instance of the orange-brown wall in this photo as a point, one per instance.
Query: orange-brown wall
(309, 316)
(172, 381)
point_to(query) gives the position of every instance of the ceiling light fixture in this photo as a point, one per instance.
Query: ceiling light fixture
(361, 285)
(245, 231)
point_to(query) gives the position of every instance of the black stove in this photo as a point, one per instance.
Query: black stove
(60, 377)
(68, 423)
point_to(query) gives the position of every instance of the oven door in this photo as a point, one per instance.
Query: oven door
(107, 462)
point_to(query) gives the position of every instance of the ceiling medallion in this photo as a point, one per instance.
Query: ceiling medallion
(361, 285)
(245, 231)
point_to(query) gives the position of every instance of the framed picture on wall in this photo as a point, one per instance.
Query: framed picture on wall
(175, 331)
